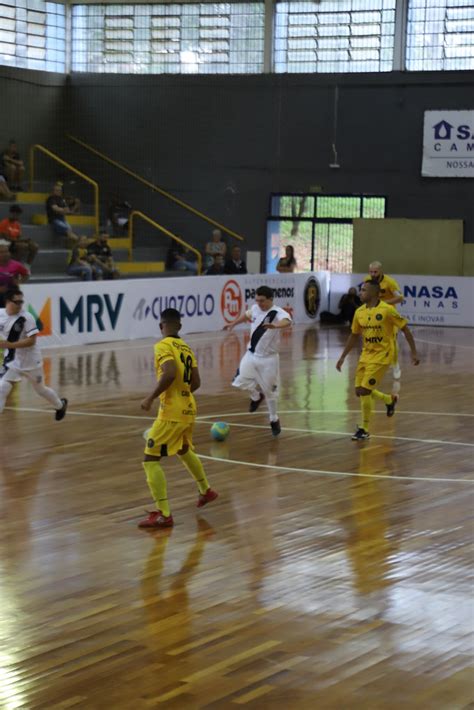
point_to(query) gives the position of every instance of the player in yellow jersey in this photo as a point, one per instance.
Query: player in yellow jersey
(172, 432)
(375, 321)
(389, 293)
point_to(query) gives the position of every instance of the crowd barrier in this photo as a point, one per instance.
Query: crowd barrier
(81, 313)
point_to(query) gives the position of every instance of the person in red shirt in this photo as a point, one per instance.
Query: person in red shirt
(21, 248)
(12, 273)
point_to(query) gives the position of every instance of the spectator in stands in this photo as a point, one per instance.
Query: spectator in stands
(118, 214)
(12, 273)
(179, 259)
(100, 256)
(5, 192)
(57, 208)
(217, 266)
(287, 264)
(13, 166)
(348, 304)
(235, 265)
(215, 246)
(79, 265)
(21, 248)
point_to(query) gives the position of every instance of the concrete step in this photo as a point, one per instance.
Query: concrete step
(24, 198)
(50, 261)
(78, 220)
(141, 267)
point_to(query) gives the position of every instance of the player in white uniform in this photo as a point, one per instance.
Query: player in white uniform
(22, 356)
(259, 369)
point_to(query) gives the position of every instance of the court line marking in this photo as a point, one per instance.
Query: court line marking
(317, 472)
(445, 345)
(333, 411)
(205, 420)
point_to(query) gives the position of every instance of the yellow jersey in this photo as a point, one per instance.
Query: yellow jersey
(377, 326)
(388, 287)
(177, 403)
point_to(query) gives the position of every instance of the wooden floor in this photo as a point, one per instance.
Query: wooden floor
(329, 574)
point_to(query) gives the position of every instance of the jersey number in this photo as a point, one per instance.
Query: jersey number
(188, 366)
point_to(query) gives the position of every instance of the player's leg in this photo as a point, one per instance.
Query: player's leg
(245, 379)
(36, 379)
(193, 465)
(365, 402)
(156, 447)
(268, 377)
(396, 371)
(5, 389)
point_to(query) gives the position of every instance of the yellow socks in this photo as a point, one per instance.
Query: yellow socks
(386, 398)
(366, 409)
(196, 469)
(156, 480)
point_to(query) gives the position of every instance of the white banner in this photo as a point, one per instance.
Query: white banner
(448, 144)
(429, 300)
(80, 313)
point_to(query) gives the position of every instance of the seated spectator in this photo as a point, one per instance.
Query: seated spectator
(5, 192)
(100, 255)
(57, 208)
(21, 248)
(217, 266)
(13, 166)
(12, 273)
(78, 264)
(348, 304)
(118, 213)
(179, 259)
(287, 264)
(235, 265)
(215, 246)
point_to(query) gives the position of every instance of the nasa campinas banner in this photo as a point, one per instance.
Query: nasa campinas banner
(448, 144)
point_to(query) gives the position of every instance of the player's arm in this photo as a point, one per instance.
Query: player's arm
(244, 318)
(351, 343)
(23, 343)
(168, 373)
(283, 323)
(397, 298)
(411, 342)
(195, 379)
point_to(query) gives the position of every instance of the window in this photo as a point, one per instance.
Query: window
(172, 38)
(440, 35)
(334, 36)
(32, 34)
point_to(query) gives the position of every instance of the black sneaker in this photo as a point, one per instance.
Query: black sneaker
(255, 403)
(360, 435)
(61, 413)
(392, 405)
(276, 428)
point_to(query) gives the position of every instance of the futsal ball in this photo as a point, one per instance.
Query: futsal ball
(220, 431)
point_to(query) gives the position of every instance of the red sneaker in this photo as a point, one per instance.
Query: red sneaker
(206, 497)
(156, 519)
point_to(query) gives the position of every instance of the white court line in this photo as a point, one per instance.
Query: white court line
(445, 345)
(333, 411)
(205, 420)
(317, 472)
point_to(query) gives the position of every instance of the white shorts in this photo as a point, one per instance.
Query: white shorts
(13, 375)
(259, 372)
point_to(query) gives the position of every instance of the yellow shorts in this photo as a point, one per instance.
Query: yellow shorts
(167, 438)
(370, 375)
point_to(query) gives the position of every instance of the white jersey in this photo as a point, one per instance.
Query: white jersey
(15, 328)
(262, 341)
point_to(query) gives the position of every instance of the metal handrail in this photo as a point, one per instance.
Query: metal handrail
(154, 187)
(137, 213)
(62, 162)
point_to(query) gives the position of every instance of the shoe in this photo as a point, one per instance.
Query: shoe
(392, 405)
(156, 519)
(255, 403)
(61, 413)
(276, 427)
(396, 372)
(207, 497)
(360, 435)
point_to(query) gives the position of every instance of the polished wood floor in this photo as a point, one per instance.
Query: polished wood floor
(329, 574)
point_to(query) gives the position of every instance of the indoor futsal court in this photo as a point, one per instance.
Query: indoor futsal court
(328, 574)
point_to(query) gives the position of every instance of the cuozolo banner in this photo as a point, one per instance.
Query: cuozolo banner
(448, 144)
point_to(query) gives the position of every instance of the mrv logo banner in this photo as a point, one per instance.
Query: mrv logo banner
(448, 144)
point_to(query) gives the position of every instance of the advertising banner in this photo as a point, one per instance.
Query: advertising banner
(448, 144)
(428, 300)
(80, 313)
